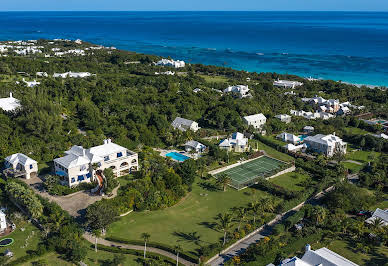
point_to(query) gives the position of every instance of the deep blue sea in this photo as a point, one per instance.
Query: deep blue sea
(347, 46)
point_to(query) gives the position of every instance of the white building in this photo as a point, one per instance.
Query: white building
(19, 164)
(287, 84)
(308, 129)
(31, 84)
(295, 148)
(381, 136)
(257, 120)
(237, 143)
(77, 165)
(311, 115)
(327, 145)
(284, 118)
(72, 75)
(241, 91)
(195, 146)
(287, 137)
(3, 222)
(9, 104)
(379, 213)
(42, 74)
(185, 124)
(171, 63)
(319, 257)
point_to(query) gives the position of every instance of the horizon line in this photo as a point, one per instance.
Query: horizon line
(375, 11)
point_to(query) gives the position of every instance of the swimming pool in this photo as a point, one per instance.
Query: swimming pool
(177, 156)
(302, 137)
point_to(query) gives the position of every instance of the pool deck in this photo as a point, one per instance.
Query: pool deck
(163, 153)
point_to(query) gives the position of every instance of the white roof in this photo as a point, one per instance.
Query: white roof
(326, 257)
(20, 158)
(194, 144)
(236, 139)
(327, 140)
(288, 137)
(10, 103)
(379, 213)
(381, 135)
(72, 160)
(179, 122)
(308, 128)
(251, 118)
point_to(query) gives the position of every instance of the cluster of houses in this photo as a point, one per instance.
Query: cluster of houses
(171, 63)
(288, 84)
(72, 75)
(239, 91)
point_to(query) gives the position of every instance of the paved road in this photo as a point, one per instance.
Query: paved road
(241, 246)
(108, 243)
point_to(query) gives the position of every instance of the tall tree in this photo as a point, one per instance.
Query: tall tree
(225, 223)
(145, 237)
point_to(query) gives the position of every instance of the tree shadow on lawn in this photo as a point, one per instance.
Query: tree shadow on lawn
(208, 186)
(210, 225)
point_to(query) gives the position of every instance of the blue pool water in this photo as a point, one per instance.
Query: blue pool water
(177, 156)
(347, 46)
(302, 137)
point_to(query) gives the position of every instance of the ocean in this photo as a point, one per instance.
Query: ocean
(347, 46)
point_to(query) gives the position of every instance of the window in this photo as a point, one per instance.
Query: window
(119, 154)
(106, 158)
(82, 168)
(81, 177)
(72, 180)
(31, 166)
(88, 175)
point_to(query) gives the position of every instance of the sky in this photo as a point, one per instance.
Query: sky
(193, 5)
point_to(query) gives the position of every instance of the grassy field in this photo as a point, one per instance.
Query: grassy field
(355, 131)
(344, 248)
(271, 151)
(195, 213)
(20, 245)
(360, 156)
(355, 168)
(290, 181)
(214, 78)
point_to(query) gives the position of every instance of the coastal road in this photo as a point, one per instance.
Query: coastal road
(241, 246)
(108, 243)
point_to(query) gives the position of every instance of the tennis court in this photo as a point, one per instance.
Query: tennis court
(246, 174)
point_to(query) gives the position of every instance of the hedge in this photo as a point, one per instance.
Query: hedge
(182, 254)
(136, 253)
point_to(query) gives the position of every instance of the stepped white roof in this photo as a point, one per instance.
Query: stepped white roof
(10, 103)
(379, 213)
(20, 158)
(252, 118)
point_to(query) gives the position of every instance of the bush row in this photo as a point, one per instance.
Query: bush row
(182, 254)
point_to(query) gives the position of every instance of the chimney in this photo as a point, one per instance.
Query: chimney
(10, 95)
(105, 141)
(109, 141)
(308, 247)
(333, 133)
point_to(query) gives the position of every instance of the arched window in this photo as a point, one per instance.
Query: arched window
(124, 164)
(134, 161)
(113, 167)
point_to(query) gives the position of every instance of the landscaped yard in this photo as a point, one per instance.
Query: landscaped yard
(214, 78)
(355, 131)
(194, 214)
(355, 168)
(271, 151)
(360, 156)
(290, 181)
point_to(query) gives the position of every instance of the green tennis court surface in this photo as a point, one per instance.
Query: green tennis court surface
(246, 174)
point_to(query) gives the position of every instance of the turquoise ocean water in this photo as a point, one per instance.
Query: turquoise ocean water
(348, 46)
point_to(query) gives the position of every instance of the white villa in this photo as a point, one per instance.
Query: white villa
(77, 165)
(257, 120)
(19, 164)
(185, 124)
(380, 136)
(241, 91)
(327, 145)
(9, 104)
(72, 75)
(287, 84)
(308, 129)
(172, 63)
(379, 213)
(237, 143)
(3, 222)
(284, 118)
(31, 84)
(295, 148)
(322, 257)
(42, 74)
(287, 137)
(311, 115)
(194, 146)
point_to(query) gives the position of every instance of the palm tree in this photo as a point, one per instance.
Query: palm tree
(224, 224)
(145, 237)
(178, 249)
(376, 224)
(241, 214)
(268, 204)
(255, 208)
(223, 180)
(319, 215)
(96, 234)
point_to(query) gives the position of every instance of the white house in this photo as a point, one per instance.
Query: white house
(21, 165)
(172, 63)
(319, 257)
(241, 91)
(381, 136)
(284, 118)
(72, 75)
(295, 148)
(287, 137)
(77, 165)
(185, 124)
(327, 145)
(238, 143)
(3, 221)
(195, 146)
(287, 83)
(42, 74)
(31, 84)
(308, 129)
(9, 104)
(379, 213)
(257, 120)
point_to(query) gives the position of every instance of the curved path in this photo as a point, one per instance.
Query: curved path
(109, 243)
(240, 246)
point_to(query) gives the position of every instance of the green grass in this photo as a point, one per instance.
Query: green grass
(290, 181)
(124, 180)
(20, 246)
(275, 140)
(195, 213)
(344, 248)
(360, 156)
(215, 79)
(355, 168)
(355, 131)
(271, 151)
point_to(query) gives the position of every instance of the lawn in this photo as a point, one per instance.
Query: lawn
(290, 181)
(355, 131)
(344, 248)
(215, 79)
(271, 151)
(195, 213)
(20, 245)
(360, 156)
(355, 168)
